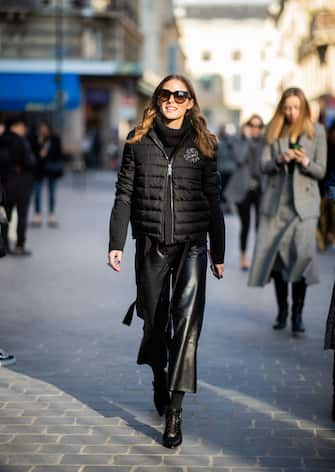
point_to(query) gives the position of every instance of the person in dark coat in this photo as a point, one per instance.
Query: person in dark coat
(168, 188)
(226, 163)
(326, 226)
(330, 327)
(294, 160)
(48, 150)
(245, 186)
(18, 181)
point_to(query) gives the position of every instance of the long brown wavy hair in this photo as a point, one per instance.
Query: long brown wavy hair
(279, 126)
(204, 139)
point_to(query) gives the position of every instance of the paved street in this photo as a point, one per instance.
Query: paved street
(77, 402)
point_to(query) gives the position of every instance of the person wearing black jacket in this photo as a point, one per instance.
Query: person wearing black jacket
(329, 189)
(18, 180)
(168, 188)
(48, 151)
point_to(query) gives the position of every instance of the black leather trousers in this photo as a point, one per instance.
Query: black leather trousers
(171, 328)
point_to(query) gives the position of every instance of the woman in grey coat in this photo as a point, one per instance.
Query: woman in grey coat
(293, 161)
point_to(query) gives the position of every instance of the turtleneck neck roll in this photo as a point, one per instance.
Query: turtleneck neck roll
(171, 137)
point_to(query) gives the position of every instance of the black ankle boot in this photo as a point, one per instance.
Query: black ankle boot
(298, 296)
(172, 436)
(281, 319)
(161, 394)
(281, 291)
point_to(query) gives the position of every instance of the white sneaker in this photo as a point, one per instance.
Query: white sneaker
(6, 359)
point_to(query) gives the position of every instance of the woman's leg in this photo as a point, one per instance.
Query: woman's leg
(187, 311)
(37, 202)
(244, 214)
(298, 300)
(281, 292)
(52, 182)
(333, 409)
(187, 315)
(153, 288)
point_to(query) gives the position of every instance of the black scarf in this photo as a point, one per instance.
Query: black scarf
(170, 137)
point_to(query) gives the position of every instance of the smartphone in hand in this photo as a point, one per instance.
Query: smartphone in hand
(296, 146)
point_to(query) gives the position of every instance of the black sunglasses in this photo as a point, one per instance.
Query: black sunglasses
(180, 96)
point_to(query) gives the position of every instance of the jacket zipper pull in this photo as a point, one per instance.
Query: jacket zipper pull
(169, 169)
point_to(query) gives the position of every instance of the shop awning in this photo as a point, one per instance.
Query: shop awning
(37, 91)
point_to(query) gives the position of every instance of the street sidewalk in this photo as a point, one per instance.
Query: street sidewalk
(77, 402)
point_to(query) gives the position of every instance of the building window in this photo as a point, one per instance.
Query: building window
(206, 56)
(206, 82)
(236, 82)
(91, 44)
(236, 55)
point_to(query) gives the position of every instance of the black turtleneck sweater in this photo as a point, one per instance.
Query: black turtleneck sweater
(171, 139)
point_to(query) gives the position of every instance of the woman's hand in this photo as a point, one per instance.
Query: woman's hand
(217, 270)
(301, 157)
(288, 156)
(114, 260)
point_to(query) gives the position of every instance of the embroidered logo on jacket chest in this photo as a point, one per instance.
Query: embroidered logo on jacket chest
(192, 155)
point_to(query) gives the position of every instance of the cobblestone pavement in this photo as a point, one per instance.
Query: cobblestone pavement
(77, 402)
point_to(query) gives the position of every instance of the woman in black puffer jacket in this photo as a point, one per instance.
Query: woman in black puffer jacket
(168, 189)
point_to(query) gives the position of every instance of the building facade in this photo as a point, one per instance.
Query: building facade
(233, 45)
(161, 52)
(306, 49)
(87, 65)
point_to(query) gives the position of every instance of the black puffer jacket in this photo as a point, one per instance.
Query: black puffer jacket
(142, 187)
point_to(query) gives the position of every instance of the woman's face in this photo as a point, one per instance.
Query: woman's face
(291, 109)
(173, 108)
(43, 130)
(256, 127)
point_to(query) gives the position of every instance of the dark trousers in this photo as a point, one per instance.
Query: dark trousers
(225, 177)
(38, 185)
(252, 199)
(157, 268)
(18, 191)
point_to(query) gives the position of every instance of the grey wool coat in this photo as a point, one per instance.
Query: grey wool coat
(297, 233)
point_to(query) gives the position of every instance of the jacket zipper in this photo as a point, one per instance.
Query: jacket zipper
(168, 182)
(171, 198)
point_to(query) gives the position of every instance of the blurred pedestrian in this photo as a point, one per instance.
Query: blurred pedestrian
(50, 167)
(226, 163)
(168, 188)
(330, 328)
(293, 160)
(3, 218)
(326, 225)
(5, 358)
(18, 180)
(245, 186)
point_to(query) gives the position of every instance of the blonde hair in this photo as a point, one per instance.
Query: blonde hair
(279, 126)
(204, 139)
